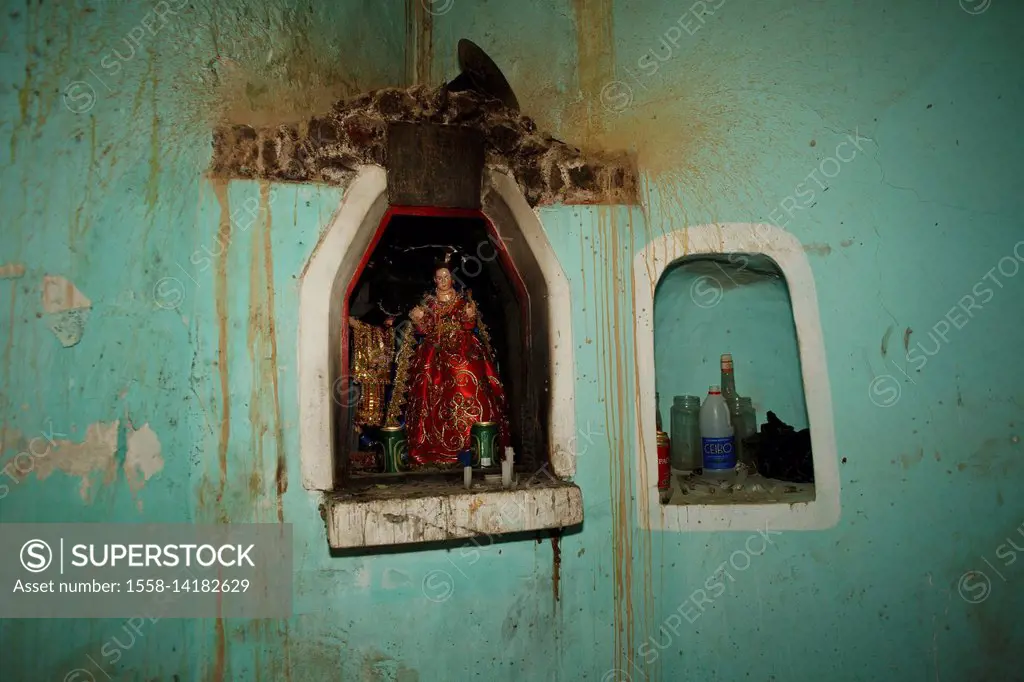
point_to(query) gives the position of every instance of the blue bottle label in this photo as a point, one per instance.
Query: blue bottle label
(719, 453)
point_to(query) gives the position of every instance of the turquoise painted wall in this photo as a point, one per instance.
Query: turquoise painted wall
(103, 187)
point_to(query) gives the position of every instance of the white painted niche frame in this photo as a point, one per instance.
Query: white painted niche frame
(787, 251)
(334, 262)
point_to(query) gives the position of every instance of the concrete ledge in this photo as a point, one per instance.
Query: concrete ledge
(408, 514)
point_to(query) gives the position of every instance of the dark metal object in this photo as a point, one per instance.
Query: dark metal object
(435, 165)
(480, 74)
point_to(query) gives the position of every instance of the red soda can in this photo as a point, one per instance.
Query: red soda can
(664, 467)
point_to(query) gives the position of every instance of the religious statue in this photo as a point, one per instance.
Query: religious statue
(372, 356)
(446, 376)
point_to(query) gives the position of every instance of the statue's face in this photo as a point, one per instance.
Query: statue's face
(443, 279)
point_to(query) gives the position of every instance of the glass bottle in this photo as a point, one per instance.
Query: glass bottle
(657, 411)
(728, 378)
(744, 423)
(685, 425)
(749, 416)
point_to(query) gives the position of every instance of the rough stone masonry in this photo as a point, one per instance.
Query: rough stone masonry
(329, 149)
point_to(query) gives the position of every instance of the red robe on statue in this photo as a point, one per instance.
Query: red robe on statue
(452, 384)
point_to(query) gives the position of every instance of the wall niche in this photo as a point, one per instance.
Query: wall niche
(736, 303)
(375, 254)
(397, 274)
(748, 290)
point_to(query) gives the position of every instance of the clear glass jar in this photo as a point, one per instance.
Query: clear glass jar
(744, 424)
(685, 425)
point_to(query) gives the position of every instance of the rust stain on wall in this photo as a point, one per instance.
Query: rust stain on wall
(419, 42)
(644, 487)
(686, 123)
(256, 341)
(220, 188)
(302, 75)
(220, 652)
(612, 388)
(7, 359)
(595, 64)
(153, 181)
(281, 472)
(556, 564)
(262, 341)
(697, 135)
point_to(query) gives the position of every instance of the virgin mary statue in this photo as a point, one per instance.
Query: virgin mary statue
(446, 376)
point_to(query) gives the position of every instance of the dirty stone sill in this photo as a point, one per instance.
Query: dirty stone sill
(689, 490)
(413, 512)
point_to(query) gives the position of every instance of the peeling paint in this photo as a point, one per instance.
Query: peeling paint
(66, 309)
(68, 326)
(95, 458)
(60, 295)
(12, 271)
(143, 459)
(818, 249)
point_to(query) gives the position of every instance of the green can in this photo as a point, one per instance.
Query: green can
(394, 448)
(484, 441)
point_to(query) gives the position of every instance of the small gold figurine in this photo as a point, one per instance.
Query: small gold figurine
(372, 355)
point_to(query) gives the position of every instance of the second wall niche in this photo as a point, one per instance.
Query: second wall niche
(696, 284)
(736, 303)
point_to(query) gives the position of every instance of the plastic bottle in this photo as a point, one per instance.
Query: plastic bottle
(718, 444)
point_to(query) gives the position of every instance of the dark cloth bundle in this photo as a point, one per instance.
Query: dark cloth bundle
(781, 453)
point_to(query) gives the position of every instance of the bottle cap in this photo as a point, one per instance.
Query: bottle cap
(726, 359)
(713, 390)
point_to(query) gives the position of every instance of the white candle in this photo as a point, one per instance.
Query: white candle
(506, 468)
(467, 477)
